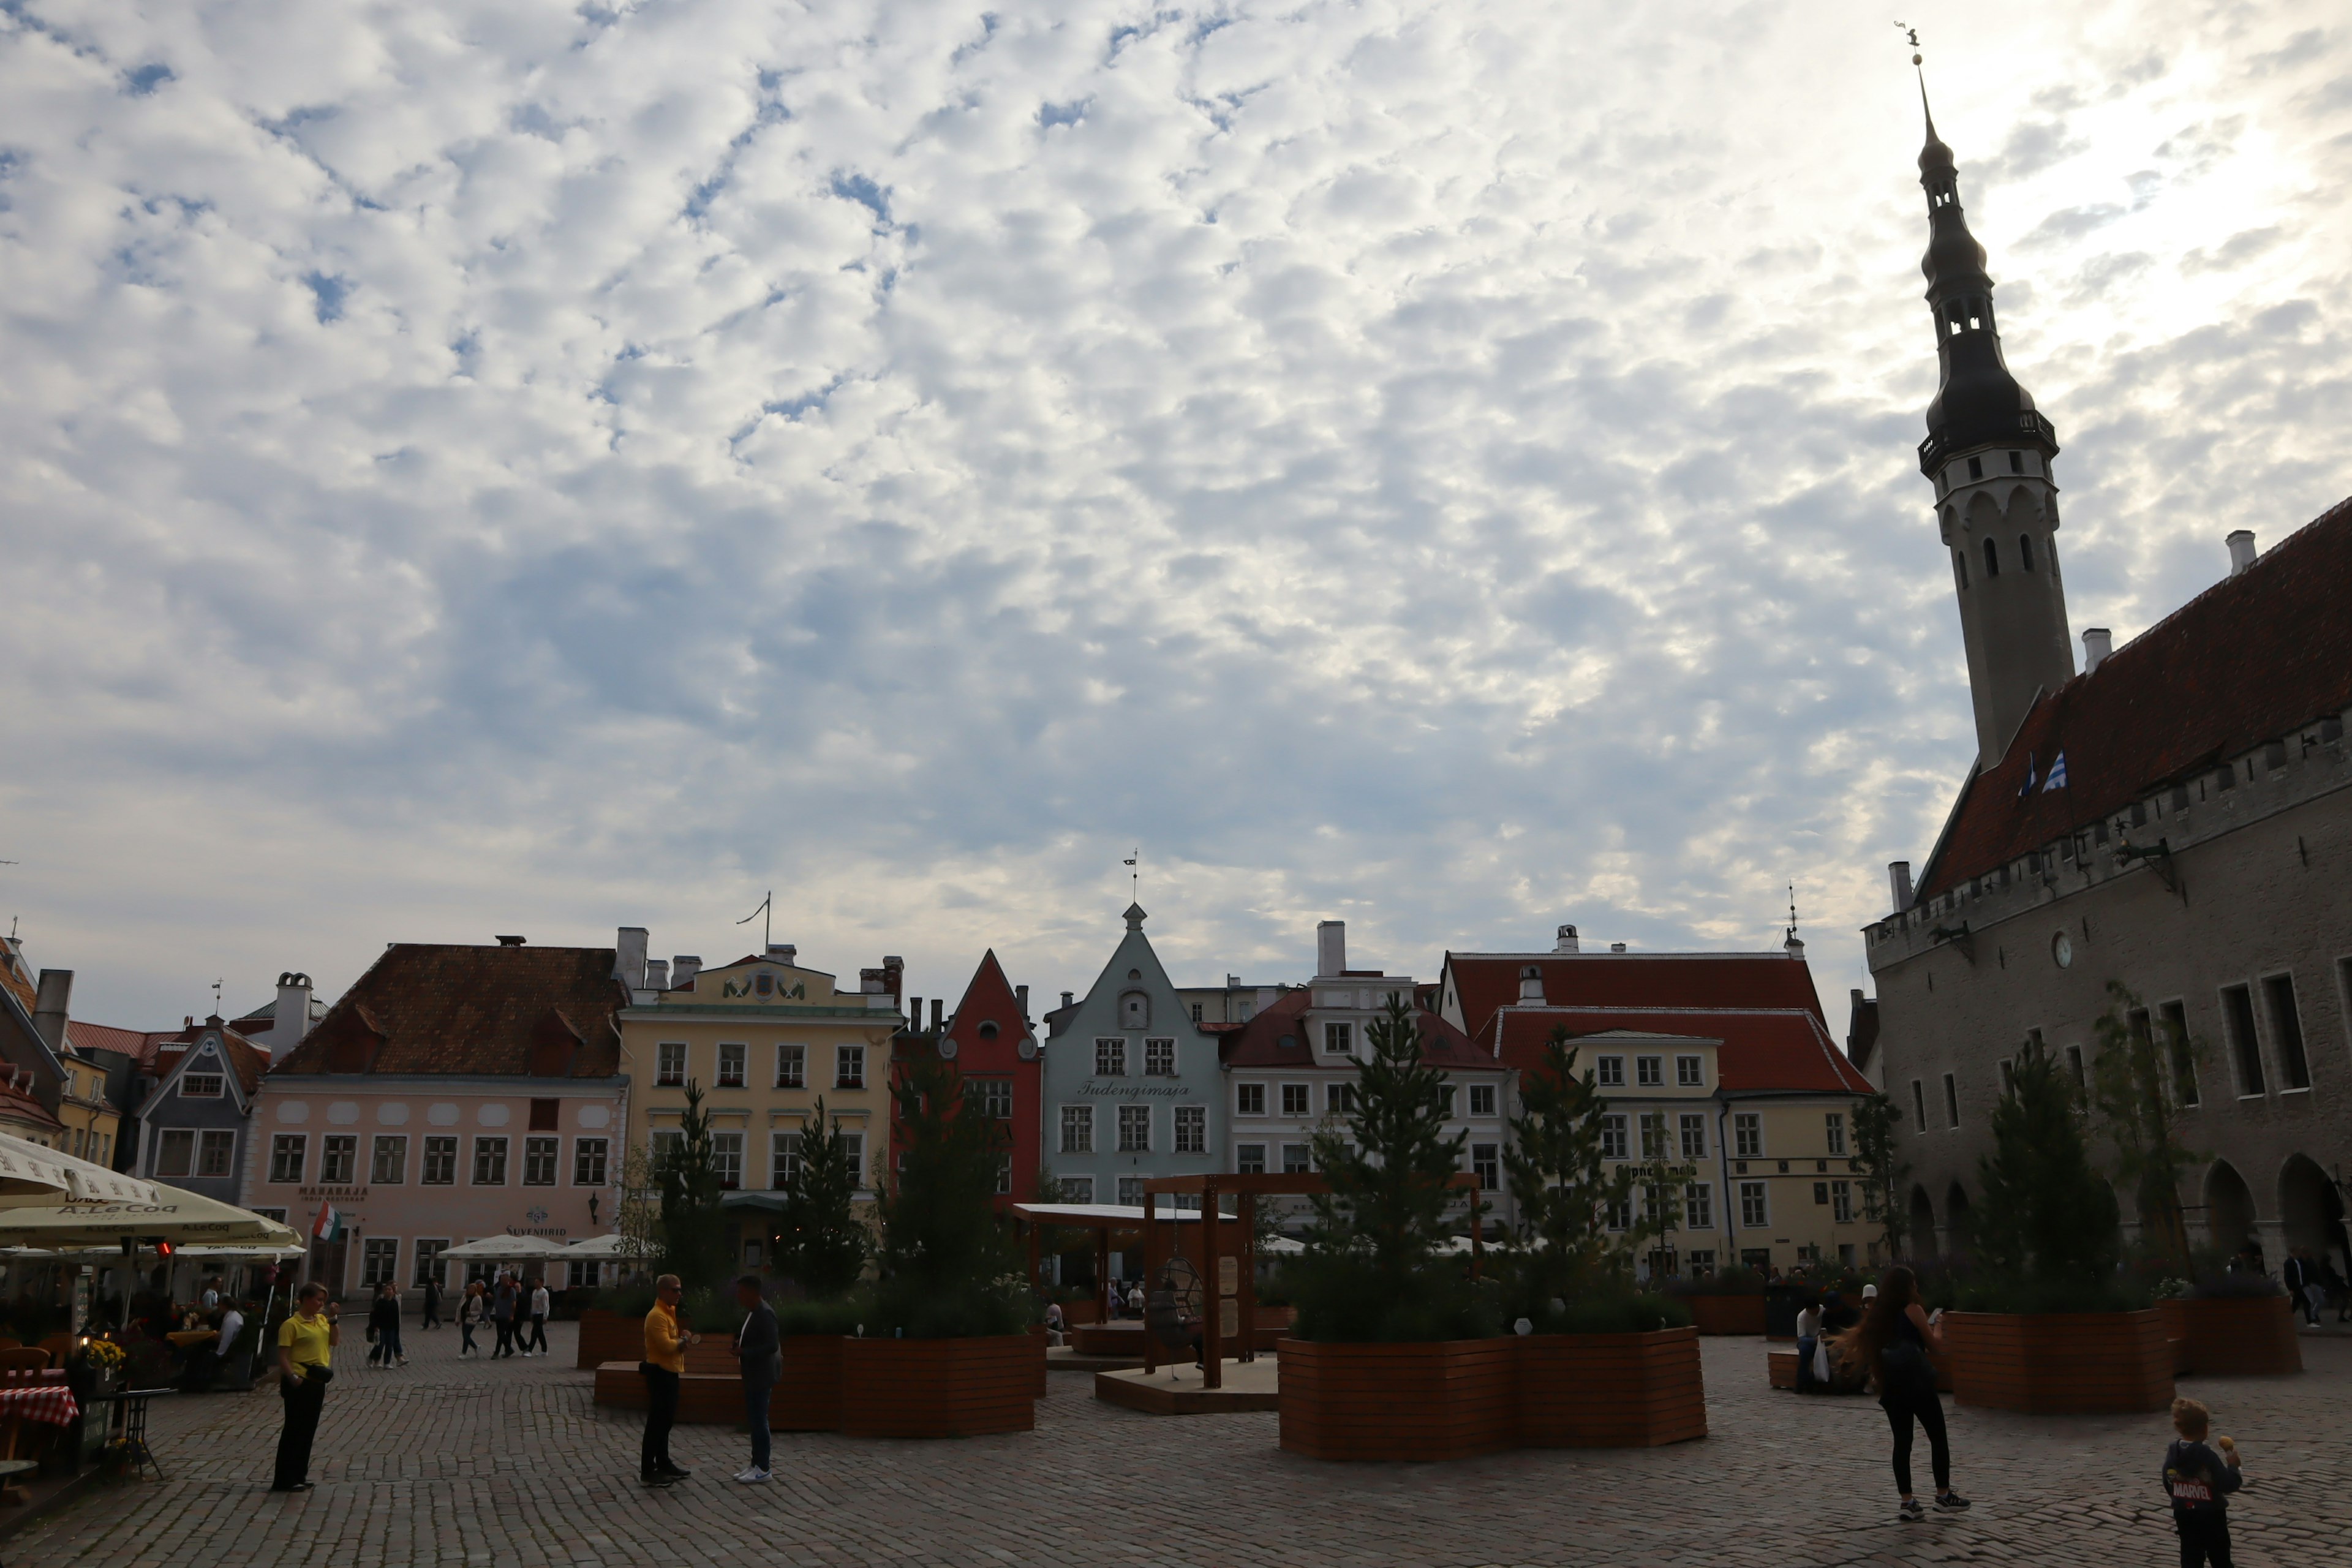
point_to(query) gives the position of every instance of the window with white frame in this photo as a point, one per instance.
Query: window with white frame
(339, 1158)
(854, 1145)
(1130, 1192)
(1135, 1129)
(1338, 1039)
(175, 1153)
(216, 1153)
(1842, 1203)
(1693, 1132)
(1339, 1099)
(378, 1261)
(1487, 1164)
(849, 1066)
(429, 1266)
(1612, 1138)
(1482, 1100)
(590, 1157)
(1699, 1262)
(1746, 1135)
(1297, 1099)
(1690, 1072)
(732, 1053)
(440, 1162)
(201, 1085)
(1650, 1072)
(490, 1162)
(988, 1097)
(1698, 1205)
(1755, 1212)
(1110, 1056)
(540, 1158)
(1297, 1158)
(1609, 1072)
(1249, 1158)
(1078, 1189)
(1445, 1098)
(791, 1067)
(1655, 1144)
(1249, 1099)
(669, 1064)
(1191, 1129)
(1618, 1213)
(783, 1158)
(389, 1167)
(1159, 1058)
(1078, 1130)
(1833, 1129)
(727, 1159)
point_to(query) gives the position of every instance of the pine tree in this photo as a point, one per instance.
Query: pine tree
(693, 1225)
(1882, 1169)
(1566, 1188)
(2047, 1217)
(949, 1266)
(823, 1244)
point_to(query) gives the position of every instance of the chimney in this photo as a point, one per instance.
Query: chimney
(914, 1013)
(510, 941)
(2097, 643)
(1331, 947)
(1898, 885)
(784, 952)
(1793, 947)
(893, 974)
(1021, 994)
(2241, 550)
(1066, 995)
(657, 974)
(290, 1019)
(938, 1006)
(629, 957)
(1566, 942)
(1530, 984)
(1616, 947)
(683, 969)
(50, 1006)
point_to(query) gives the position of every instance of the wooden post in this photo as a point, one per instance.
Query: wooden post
(1150, 1277)
(1102, 1273)
(1213, 1345)
(1245, 1210)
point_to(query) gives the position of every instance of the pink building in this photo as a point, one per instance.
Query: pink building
(453, 1093)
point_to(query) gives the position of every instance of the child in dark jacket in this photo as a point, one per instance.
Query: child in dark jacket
(2198, 1482)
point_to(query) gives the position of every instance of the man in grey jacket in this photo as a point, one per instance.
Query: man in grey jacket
(760, 1352)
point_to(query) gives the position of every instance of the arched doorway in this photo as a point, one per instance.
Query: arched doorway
(2229, 1209)
(2311, 1213)
(1923, 1225)
(1955, 1219)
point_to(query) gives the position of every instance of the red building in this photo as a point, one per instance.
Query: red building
(990, 1041)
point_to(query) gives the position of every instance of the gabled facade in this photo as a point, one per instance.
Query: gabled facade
(989, 1040)
(195, 1120)
(1132, 1086)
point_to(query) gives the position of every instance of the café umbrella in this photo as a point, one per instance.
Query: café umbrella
(505, 1249)
(34, 1177)
(167, 1214)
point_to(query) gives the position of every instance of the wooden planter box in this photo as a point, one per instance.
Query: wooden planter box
(2234, 1336)
(1726, 1314)
(808, 1396)
(939, 1388)
(2067, 1363)
(1444, 1400)
(1038, 1334)
(604, 1336)
(1610, 1391)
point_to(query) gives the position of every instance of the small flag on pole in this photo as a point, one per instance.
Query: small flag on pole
(2057, 779)
(328, 1226)
(2027, 787)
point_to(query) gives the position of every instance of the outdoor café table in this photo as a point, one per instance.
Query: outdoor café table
(189, 1338)
(132, 1404)
(50, 1403)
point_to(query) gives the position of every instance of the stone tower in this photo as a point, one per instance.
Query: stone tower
(1988, 453)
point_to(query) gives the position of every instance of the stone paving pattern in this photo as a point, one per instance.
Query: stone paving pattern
(509, 1466)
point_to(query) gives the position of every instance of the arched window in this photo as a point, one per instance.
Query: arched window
(1961, 564)
(1992, 559)
(2025, 550)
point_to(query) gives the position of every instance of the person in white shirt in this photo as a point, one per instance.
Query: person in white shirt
(539, 1303)
(232, 1324)
(1809, 1339)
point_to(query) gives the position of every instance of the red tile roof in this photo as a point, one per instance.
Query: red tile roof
(1259, 1042)
(540, 1012)
(139, 1045)
(248, 1061)
(2255, 657)
(1764, 1049)
(1484, 982)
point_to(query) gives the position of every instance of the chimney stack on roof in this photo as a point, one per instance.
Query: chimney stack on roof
(784, 951)
(2241, 550)
(1567, 940)
(657, 974)
(2097, 643)
(1065, 997)
(1021, 994)
(1530, 984)
(939, 1013)
(51, 1005)
(1616, 947)
(629, 957)
(290, 1019)
(914, 1012)
(1331, 947)
(510, 941)
(683, 968)
(1898, 884)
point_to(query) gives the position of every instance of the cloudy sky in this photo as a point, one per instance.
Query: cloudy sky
(536, 466)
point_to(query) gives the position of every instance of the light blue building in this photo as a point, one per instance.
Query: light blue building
(1132, 1084)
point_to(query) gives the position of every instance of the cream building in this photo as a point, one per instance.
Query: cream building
(764, 1038)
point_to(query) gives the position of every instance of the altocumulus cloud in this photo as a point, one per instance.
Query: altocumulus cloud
(534, 467)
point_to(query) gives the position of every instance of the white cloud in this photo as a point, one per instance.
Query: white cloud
(533, 468)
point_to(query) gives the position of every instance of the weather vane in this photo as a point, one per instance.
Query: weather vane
(1134, 876)
(1911, 33)
(1792, 911)
(216, 990)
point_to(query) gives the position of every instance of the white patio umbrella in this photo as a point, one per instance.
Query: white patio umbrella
(34, 1177)
(615, 1245)
(167, 1214)
(505, 1249)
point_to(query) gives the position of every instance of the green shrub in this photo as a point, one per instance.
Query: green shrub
(949, 1266)
(624, 1300)
(2036, 1294)
(1613, 1312)
(1349, 1299)
(842, 1315)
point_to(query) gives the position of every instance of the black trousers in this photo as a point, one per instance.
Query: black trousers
(1901, 1409)
(537, 1339)
(303, 1402)
(506, 1338)
(2204, 1538)
(661, 1415)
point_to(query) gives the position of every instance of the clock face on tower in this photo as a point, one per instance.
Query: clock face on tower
(2062, 951)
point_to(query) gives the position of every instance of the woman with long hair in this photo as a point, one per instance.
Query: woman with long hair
(1892, 1342)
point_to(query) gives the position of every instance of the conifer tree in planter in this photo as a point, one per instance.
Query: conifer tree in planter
(822, 1247)
(1882, 1170)
(2053, 1326)
(693, 1227)
(946, 1351)
(1396, 1355)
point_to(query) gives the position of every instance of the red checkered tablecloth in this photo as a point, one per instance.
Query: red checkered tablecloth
(52, 1404)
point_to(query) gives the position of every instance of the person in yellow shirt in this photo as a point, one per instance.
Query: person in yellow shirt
(665, 1363)
(306, 1343)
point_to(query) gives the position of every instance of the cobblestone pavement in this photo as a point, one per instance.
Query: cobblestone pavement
(509, 1466)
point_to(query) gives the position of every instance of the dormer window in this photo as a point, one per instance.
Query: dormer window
(200, 1086)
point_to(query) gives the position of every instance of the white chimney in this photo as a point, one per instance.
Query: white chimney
(1898, 884)
(1330, 947)
(1566, 942)
(1532, 985)
(290, 1019)
(629, 957)
(2241, 550)
(1793, 947)
(657, 974)
(1616, 947)
(683, 969)
(789, 953)
(2097, 643)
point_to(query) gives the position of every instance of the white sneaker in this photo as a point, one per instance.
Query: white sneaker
(752, 1475)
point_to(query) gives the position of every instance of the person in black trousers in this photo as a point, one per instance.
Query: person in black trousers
(432, 1303)
(665, 1363)
(502, 1315)
(305, 1353)
(1892, 1342)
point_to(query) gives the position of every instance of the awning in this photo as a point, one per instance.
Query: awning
(34, 1177)
(173, 1216)
(1097, 1216)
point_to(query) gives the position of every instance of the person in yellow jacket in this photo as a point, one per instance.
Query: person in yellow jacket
(306, 1342)
(665, 1363)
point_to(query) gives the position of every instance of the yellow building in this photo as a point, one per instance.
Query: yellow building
(764, 1038)
(89, 1120)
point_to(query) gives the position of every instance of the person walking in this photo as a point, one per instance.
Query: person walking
(760, 1358)
(502, 1314)
(541, 1303)
(472, 1310)
(665, 1363)
(2200, 1481)
(2301, 1276)
(383, 1328)
(1893, 1345)
(432, 1303)
(306, 1343)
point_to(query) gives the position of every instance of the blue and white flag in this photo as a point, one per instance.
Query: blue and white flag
(2057, 779)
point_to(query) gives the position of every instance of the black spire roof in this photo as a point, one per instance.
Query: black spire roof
(1978, 401)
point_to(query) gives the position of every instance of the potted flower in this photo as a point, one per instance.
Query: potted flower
(1395, 1354)
(2052, 1325)
(946, 1350)
(97, 1367)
